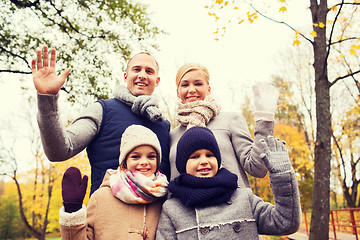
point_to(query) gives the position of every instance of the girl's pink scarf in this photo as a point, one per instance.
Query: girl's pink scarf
(135, 188)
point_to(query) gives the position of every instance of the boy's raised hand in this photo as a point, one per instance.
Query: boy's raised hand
(276, 157)
(43, 71)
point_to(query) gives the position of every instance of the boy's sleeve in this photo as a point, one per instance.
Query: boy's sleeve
(284, 217)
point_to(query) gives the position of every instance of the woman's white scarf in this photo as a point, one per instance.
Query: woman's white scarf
(197, 113)
(143, 105)
(135, 188)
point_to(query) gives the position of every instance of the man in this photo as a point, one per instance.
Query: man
(99, 128)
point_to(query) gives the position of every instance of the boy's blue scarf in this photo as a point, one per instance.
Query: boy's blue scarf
(202, 192)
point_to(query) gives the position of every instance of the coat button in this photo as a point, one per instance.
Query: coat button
(237, 227)
(229, 202)
(205, 230)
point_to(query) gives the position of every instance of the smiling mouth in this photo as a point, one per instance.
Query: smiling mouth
(192, 98)
(204, 170)
(143, 170)
(141, 84)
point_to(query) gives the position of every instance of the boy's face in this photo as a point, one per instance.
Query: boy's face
(193, 87)
(142, 159)
(141, 76)
(202, 163)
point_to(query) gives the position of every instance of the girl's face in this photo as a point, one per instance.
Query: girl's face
(193, 86)
(202, 163)
(142, 159)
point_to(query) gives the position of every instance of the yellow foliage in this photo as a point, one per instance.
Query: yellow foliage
(352, 51)
(334, 8)
(219, 1)
(299, 151)
(321, 25)
(283, 1)
(36, 183)
(341, 56)
(252, 17)
(296, 42)
(313, 33)
(283, 9)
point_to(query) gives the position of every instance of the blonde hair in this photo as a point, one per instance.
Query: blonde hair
(190, 67)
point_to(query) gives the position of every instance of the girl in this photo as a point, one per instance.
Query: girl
(128, 203)
(206, 202)
(198, 108)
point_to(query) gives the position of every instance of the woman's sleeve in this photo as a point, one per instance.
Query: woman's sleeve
(246, 149)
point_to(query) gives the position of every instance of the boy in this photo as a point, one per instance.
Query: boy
(207, 204)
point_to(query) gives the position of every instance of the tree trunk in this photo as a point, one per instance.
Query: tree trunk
(22, 214)
(319, 227)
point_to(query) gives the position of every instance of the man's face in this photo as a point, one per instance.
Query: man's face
(141, 76)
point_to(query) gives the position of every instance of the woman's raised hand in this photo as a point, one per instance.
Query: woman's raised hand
(44, 76)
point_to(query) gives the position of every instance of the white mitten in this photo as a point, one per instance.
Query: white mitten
(265, 100)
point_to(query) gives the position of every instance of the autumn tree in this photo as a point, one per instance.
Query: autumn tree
(333, 35)
(43, 175)
(346, 140)
(95, 38)
(11, 226)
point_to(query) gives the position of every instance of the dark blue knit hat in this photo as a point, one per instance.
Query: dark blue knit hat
(194, 139)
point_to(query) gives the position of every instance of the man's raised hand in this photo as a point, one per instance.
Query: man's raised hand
(44, 76)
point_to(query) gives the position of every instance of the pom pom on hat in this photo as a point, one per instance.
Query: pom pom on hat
(137, 135)
(194, 139)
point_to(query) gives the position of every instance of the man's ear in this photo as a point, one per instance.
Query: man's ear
(157, 81)
(125, 77)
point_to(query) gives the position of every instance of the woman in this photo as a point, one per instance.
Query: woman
(240, 152)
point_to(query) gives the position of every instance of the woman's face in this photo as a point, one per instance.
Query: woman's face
(193, 86)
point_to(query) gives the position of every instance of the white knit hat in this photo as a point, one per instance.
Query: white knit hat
(137, 135)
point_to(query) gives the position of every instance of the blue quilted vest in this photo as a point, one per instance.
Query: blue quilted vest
(104, 150)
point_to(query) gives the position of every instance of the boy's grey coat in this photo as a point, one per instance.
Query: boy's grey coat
(244, 217)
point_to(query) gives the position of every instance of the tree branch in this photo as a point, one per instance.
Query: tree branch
(331, 34)
(280, 22)
(346, 3)
(345, 76)
(21, 209)
(25, 4)
(14, 71)
(14, 55)
(343, 40)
